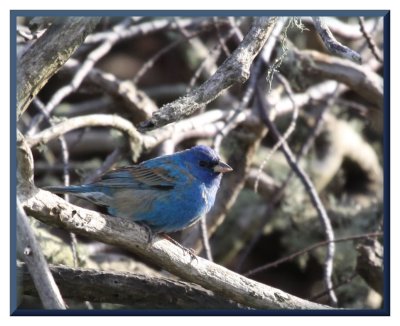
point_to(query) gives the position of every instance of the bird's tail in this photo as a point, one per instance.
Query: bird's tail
(65, 189)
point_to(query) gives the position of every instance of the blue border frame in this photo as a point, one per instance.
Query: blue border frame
(385, 311)
(13, 167)
(386, 162)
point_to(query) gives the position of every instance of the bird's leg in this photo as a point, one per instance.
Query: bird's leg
(150, 234)
(189, 251)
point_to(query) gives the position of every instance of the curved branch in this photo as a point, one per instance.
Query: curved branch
(361, 79)
(235, 69)
(332, 44)
(93, 120)
(311, 190)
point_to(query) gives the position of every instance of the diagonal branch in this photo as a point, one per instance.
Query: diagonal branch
(235, 69)
(36, 263)
(121, 232)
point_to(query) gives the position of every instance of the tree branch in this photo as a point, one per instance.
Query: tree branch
(121, 232)
(235, 69)
(135, 290)
(47, 55)
(36, 263)
(311, 190)
(332, 44)
(361, 79)
(93, 120)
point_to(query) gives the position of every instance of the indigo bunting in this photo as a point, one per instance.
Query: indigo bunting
(166, 194)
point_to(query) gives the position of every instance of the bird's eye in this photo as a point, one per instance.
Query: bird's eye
(207, 164)
(203, 164)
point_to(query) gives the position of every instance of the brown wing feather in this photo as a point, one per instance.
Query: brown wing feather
(153, 177)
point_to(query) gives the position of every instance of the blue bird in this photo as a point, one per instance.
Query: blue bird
(166, 194)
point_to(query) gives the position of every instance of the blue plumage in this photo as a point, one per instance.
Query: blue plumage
(167, 193)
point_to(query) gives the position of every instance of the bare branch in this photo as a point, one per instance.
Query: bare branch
(39, 270)
(308, 249)
(93, 120)
(134, 99)
(207, 120)
(235, 69)
(47, 55)
(332, 44)
(344, 30)
(135, 290)
(361, 79)
(152, 27)
(52, 210)
(371, 43)
(322, 214)
(81, 73)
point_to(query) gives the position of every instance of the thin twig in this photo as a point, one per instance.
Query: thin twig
(221, 41)
(371, 43)
(150, 62)
(347, 280)
(151, 27)
(135, 100)
(308, 249)
(204, 238)
(211, 58)
(248, 95)
(305, 179)
(66, 176)
(107, 164)
(290, 128)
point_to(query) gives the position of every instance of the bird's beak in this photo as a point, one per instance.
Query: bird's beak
(222, 167)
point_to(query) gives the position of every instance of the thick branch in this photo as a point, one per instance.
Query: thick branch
(235, 69)
(51, 209)
(47, 55)
(135, 290)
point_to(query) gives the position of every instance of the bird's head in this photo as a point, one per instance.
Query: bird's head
(205, 164)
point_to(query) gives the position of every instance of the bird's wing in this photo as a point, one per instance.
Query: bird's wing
(138, 176)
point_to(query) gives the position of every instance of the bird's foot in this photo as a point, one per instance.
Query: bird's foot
(150, 234)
